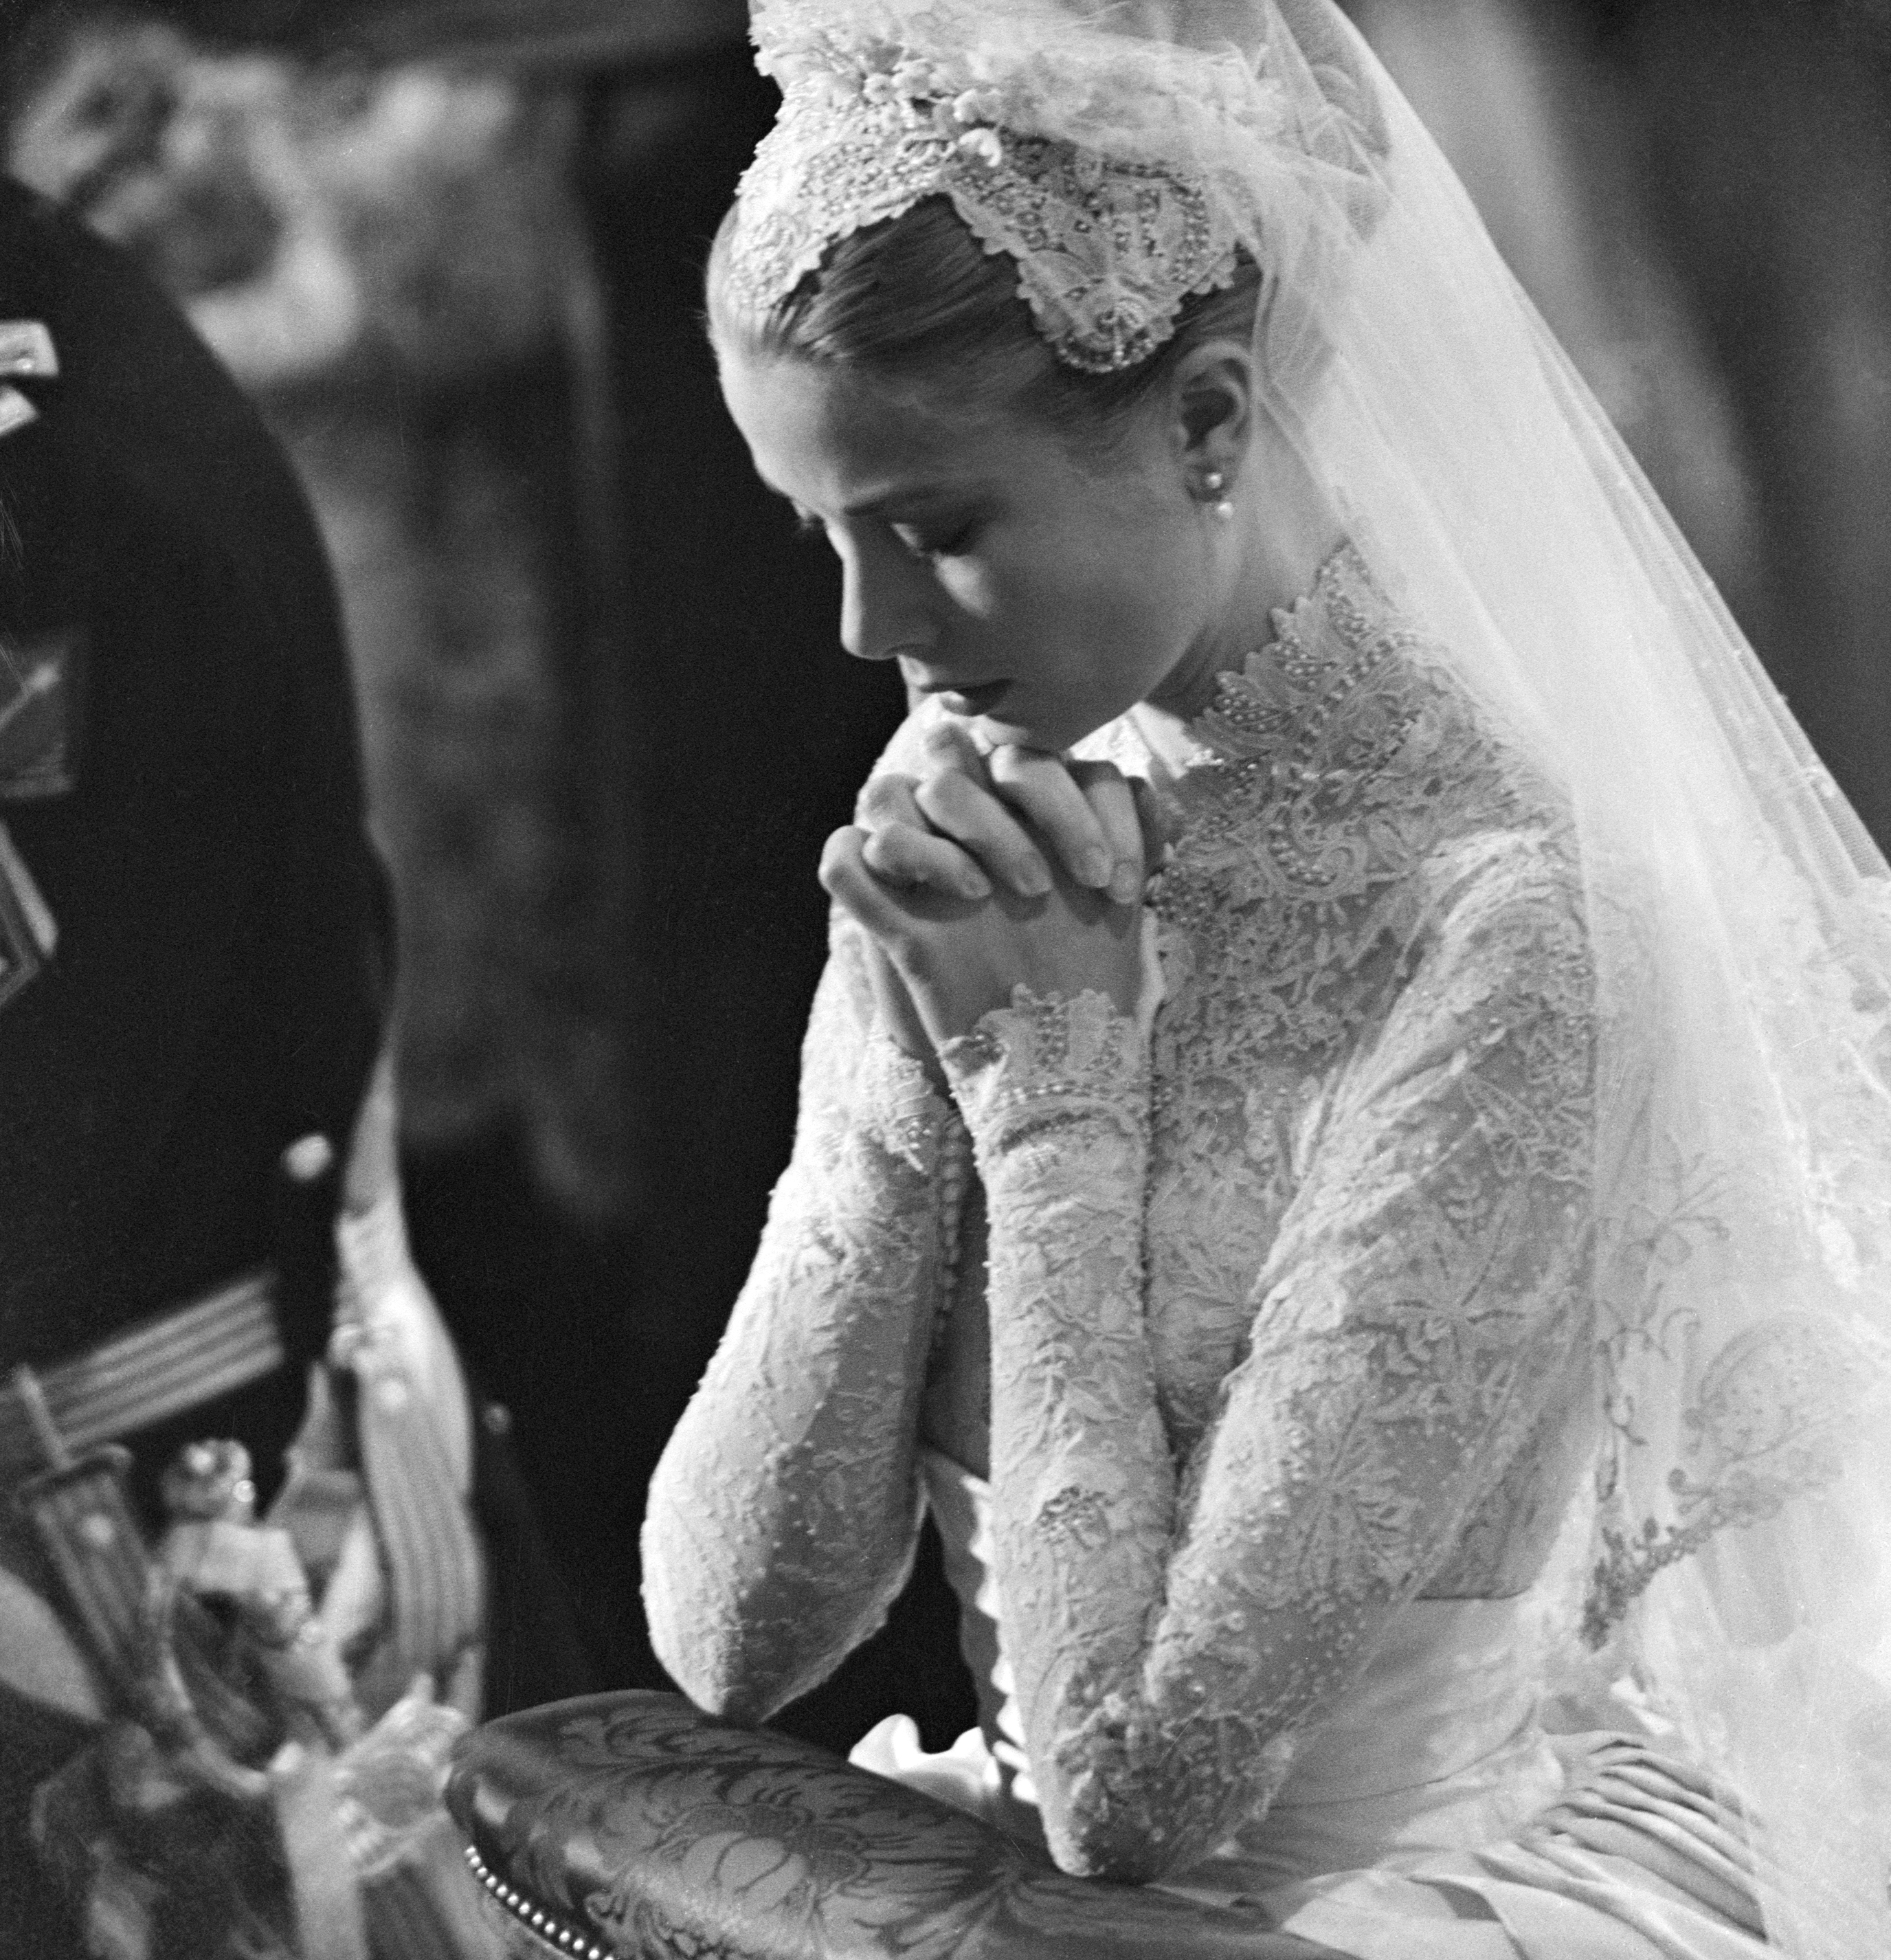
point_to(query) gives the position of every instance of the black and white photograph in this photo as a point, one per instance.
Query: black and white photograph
(945, 979)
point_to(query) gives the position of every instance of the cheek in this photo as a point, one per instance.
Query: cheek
(1134, 608)
(1095, 603)
(1028, 606)
(980, 590)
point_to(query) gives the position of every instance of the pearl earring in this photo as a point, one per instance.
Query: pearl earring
(1214, 482)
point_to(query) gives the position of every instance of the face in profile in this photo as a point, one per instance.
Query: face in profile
(1040, 590)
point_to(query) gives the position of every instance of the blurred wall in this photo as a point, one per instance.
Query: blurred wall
(1694, 192)
(1766, 125)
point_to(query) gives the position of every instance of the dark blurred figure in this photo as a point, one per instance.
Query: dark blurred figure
(388, 258)
(197, 967)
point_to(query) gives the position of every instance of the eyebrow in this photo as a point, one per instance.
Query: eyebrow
(899, 495)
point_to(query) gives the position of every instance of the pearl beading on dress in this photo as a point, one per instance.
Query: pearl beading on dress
(1292, 730)
(954, 1180)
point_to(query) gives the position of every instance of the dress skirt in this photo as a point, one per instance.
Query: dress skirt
(1431, 1816)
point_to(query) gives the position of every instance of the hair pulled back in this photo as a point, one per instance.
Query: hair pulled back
(917, 300)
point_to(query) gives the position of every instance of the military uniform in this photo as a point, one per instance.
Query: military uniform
(194, 955)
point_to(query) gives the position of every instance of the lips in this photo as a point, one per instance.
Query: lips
(979, 698)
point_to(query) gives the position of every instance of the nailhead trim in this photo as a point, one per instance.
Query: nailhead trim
(547, 1926)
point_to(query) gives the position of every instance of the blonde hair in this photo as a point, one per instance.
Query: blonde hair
(917, 300)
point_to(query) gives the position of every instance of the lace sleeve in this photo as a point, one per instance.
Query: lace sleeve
(783, 1516)
(1423, 1299)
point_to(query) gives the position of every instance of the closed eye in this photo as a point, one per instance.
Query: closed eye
(924, 543)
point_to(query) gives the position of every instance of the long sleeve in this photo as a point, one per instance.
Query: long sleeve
(784, 1514)
(1423, 1301)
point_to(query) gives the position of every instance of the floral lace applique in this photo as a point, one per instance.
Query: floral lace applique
(782, 1519)
(1276, 1301)
(1698, 1436)
(1348, 794)
(1107, 247)
(1334, 1235)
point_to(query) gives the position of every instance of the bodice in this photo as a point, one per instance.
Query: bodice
(1339, 810)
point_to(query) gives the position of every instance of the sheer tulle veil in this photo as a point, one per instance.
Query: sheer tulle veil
(1733, 1571)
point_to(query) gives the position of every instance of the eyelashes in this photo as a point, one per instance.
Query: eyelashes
(916, 542)
(953, 546)
(921, 545)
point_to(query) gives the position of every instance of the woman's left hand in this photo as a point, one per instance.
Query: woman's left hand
(959, 959)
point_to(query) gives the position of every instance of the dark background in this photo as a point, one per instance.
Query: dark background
(1696, 191)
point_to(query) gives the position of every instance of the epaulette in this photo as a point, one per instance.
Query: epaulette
(34, 704)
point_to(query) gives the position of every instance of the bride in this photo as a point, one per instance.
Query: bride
(1343, 1139)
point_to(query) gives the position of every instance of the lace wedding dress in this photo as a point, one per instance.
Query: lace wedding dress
(1250, 1340)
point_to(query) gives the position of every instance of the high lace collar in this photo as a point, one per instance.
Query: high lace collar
(1291, 694)
(1284, 709)
(1336, 757)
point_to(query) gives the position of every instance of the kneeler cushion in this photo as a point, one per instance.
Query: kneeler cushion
(629, 1826)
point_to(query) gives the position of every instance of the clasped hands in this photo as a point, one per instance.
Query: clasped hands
(974, 871)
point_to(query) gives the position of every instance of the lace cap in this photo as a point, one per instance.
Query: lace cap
(1108, 245)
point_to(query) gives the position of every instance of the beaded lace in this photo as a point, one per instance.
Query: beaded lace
(1287, 1308)
(1106, 255)
(1108, 243)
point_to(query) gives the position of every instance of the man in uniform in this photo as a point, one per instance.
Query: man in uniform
(198, 1208)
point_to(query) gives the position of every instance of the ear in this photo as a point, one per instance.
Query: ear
(1212, 410)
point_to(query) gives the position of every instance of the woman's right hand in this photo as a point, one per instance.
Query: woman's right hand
(958, 817)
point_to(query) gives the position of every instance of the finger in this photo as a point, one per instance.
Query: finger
(1151, 821)
(905, 854)
(954, 744)
(975, 820)
(887, 798)
(1039, 786)
(846, 879)
(1112, 803)
(902, 846)
(956, 797)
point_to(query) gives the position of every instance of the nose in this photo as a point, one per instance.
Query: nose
(883, 608)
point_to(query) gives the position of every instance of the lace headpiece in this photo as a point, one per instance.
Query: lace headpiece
(880, 112)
